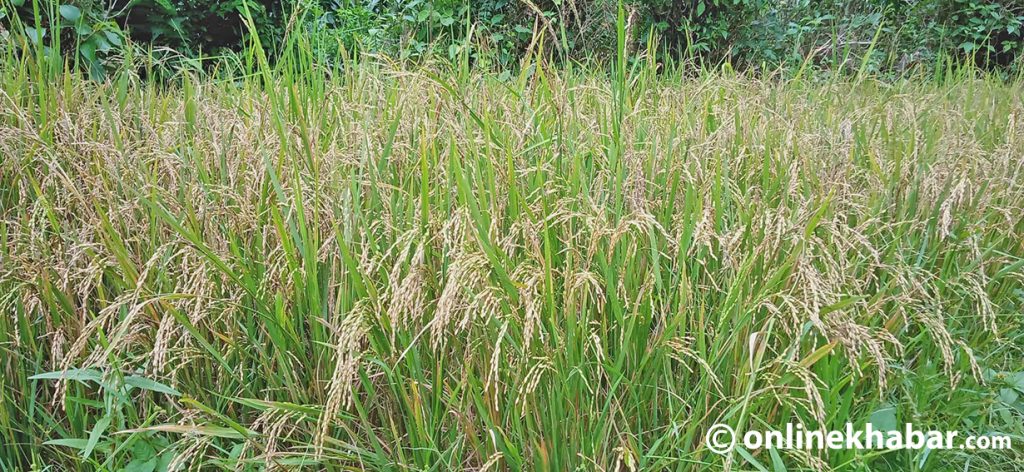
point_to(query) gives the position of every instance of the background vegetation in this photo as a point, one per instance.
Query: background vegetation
(890, 36)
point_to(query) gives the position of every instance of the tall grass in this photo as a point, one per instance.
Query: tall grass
(398, 268)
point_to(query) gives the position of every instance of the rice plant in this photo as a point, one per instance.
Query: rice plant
(430, 267)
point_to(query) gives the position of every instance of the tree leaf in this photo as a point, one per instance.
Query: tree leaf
(884, 418)
(1017, 380)
(167, 5)
(88, 51)
(113, 38)
(35, 35)
(138, 465)
(70, 12)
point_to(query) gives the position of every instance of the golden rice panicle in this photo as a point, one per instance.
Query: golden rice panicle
(350, 335)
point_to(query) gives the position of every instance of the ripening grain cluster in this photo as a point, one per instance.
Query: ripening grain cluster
(394, 268)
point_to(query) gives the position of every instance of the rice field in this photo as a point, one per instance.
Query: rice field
(431, 268)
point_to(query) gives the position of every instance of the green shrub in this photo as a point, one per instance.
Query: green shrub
(838, 36)
(335, 28)
(991, 32)
(82, 31)
(411, 29)
(202, 25)
(706, 27)
(186, 25)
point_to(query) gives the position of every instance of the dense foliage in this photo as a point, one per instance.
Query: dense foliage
(891, 35)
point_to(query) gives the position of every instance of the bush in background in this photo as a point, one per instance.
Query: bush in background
(200, 25)
(84, 29)
(96, 27)
(832, 36)
(990, 32)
